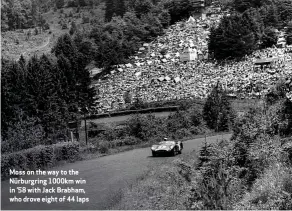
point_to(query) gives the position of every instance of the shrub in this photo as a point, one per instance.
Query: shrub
(119, 142)
(196, 116)
(145, 127)
(85, 19)
(109, 134)
(160, 189)
(178, 120)
(182, 133)
(269, 37)
(271, 191)
(217, 185)
(39, 157)
(103, 146)
(46, 26)
(131, 140)
(24, 134)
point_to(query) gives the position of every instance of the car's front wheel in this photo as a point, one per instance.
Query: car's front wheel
(173, 152)
(153, 154)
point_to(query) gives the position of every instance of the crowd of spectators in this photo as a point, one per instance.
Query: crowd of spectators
(156, 72)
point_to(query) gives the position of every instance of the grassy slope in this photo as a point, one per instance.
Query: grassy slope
(44, 41)
(162, 188)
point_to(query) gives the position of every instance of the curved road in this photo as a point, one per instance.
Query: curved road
(105, 177)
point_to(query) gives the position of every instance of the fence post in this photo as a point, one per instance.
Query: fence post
(72, 139)
(85, 129)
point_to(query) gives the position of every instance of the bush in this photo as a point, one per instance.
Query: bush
(217, 184)
(145, 127)
(103, 146)
(272, 191)
(46, 26)
(196, 116)
(24, 134)
(131, 140)
(40, 157)
(178, 120)
(182, 133)
(109, 134)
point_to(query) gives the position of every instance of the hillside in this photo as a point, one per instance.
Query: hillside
(39, 40)
(156, 72)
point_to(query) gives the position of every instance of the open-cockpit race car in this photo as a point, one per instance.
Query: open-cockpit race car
(167, 148)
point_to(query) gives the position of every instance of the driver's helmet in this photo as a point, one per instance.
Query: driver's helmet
(165, 139)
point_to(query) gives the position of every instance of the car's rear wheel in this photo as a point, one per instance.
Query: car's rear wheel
(179, 152)
(153, 154)
(173, 152)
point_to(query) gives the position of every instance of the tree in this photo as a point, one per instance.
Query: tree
(178, 9)
(23, 134)
(269, 15)
(233, 38)
(41, 98)
(269, 37)
(72, 64)
(217, 111)
(289, 33)
(73, 28)
(284, 8)
(128, 97)
(113, 47)
(13, 90)
(114, 7)
(140, 7)
(60, 4)
(243, 5)
(82, 3)
(152, 25)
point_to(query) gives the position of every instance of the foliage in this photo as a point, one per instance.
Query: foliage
(217, 111)
(73, 28)
(25, 133)
(272, 191)
(289, 33)
(243, 5)
(60, 4)
(114, 7)
(178, 9)
(251, 27)
(233, 38)
(162, 188)
(39, 157)
(145, 128)
(269, 38)
(178, 120)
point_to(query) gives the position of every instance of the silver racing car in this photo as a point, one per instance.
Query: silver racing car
(167, 147)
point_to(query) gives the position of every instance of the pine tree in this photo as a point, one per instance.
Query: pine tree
(233, 38)
(217, 111)
(109, 9)
(13, 90)
(60, 4)
(72, 65)
(73, 28)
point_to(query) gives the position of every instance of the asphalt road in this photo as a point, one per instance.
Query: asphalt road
(105, 177)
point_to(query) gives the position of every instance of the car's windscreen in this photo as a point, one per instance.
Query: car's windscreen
(167, 143)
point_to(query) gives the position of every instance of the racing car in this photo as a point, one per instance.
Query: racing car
(167, 147)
